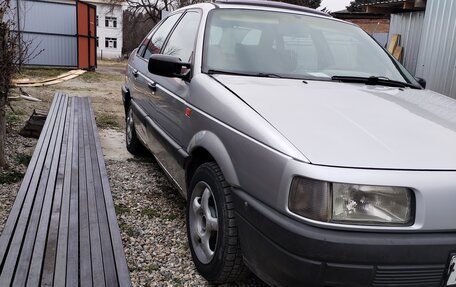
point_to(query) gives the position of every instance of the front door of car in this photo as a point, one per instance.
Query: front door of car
(172, 93)
(152, 44)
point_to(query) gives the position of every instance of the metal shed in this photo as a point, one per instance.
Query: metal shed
(57, 33)
(428, 35)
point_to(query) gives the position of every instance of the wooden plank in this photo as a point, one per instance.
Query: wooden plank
(394, 43)
(43, 192)
(51, 244)
(34, 273)
(13, 217)
(398, 53)
(94, 226)
(62, 245)
(85, 265)
(31, 82)
(105, 233)
(43, 166)
(119, 255)
(72, 271)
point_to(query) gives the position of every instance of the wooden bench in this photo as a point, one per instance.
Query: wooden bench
(62, 229)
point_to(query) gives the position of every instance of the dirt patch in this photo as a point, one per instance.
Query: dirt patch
(113, 144)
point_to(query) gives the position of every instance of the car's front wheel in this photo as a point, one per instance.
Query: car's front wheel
(211, 227)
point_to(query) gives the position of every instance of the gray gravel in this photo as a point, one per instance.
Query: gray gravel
(18, 151)
(151, 215)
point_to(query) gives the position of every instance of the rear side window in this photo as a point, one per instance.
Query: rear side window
(181, 44)
(154, 45)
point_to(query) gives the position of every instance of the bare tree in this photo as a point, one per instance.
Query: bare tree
(154, 8)
(12, 54)
(355, 6)
(135, 28)
(307, 3)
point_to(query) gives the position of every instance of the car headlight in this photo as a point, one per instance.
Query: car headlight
(351, 203)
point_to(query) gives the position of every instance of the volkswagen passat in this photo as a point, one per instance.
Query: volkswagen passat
(306, 152)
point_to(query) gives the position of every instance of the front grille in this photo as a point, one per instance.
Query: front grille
(428, 276)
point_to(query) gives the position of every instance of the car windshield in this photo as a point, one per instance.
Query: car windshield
(279, 44)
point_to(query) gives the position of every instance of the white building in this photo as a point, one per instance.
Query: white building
(109, 29)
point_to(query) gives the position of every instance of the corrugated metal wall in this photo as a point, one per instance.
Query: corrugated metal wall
(53, 39)
(437, 56)
(410, 27)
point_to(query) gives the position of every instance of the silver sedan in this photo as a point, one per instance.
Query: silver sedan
(306, 152)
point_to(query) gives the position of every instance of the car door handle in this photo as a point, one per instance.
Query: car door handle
(152, 86)
(135, 73)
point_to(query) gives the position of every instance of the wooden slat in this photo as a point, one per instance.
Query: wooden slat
(51, 244)
(394, 43)
(398, 53)
(94, 226)
(13, 217)
(85, 265)
(72, 271)
(105, 233)
(119, 255)
(43, 227)
(22, 225)
(62, 245)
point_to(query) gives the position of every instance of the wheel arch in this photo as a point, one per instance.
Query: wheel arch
(206, 146)
(126, 97)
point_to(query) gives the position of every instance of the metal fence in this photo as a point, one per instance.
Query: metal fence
(437, 56)
(410, 27)
(429, 41)
(49, 29)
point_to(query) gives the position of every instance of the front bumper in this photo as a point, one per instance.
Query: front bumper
(285, 252)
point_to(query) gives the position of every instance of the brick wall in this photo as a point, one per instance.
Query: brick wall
(372, 25)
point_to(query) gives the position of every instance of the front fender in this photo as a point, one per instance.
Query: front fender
(212, 143)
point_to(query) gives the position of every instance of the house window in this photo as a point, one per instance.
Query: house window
(111, 43)
(111, 22)
(97, 42)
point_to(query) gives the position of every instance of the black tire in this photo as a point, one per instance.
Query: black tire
(226, 264)
(134, 146)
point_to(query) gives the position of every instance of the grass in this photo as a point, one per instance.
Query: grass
(153, 267)
(40, 73)
(105, 121)
(13, 118)
(170, 217)
(22, 158)
(128, 229)
(121, 209)
(10, 177)
(95, 77)
(150, 212)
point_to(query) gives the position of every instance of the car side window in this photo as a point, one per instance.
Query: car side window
(143, 45)
(181, 44)
(154, 45)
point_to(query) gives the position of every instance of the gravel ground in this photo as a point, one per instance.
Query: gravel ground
(18, 153)
(151, 214)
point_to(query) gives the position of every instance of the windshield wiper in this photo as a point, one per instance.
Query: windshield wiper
(263, 75)
(374, 81)
(211, 72)
(268, 75)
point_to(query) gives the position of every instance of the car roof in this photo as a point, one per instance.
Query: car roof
(272, 4)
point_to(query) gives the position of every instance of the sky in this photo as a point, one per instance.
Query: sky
(335, 5)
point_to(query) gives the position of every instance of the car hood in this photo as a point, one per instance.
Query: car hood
(355, 125)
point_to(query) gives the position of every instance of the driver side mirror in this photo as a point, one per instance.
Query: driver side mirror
(168, 66)
(422, 82)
